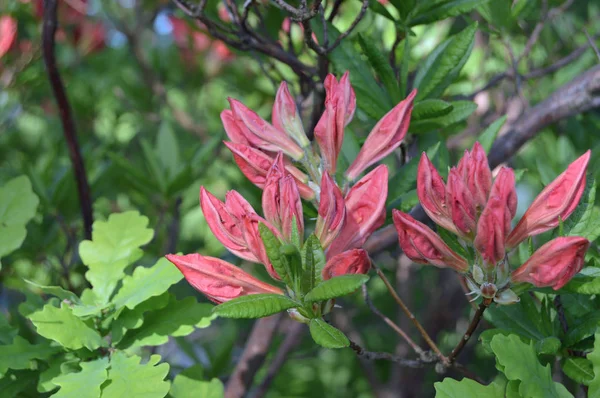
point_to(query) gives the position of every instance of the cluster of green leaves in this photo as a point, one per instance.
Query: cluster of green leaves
(308, 298)
(92, 341)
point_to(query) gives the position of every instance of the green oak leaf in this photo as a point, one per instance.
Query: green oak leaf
(128, 378)
(450, 388)
(519, 361)
(594, 357)
(145, 283)
(18, 204)
(326, 335)
(83, 384)
(178, 318)
(62, 326)
(126, 319)
(189, 384)
(254, 306)
(56, 291)
(20, 353)
(114, 246)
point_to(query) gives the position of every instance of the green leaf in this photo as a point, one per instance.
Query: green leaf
(522, 318)
(336, 287)
(443, 64)
(460, 111)
(314, 261)
(20, 353)
(586, 282)
(272, 246)
(128, 378)
(114, 246)
(519, 362)
(189, 384)
(594, 357)
(145, 283)
(450, 388)
(585, 328)
(444, 10)
(178, 318)
(430, 108)
(254, 306)
(167, 149)
(326, 335)
(581, 222)
(83, 384)
(153, 163)
(381, 66)
(56, 291)
(579, 369)
(488, 136)
(60, 325)
(18, 205)
(292, 261)
(126, 319)
(7, 331)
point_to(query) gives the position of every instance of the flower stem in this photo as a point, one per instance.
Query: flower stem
(411, 316)
(470, 330)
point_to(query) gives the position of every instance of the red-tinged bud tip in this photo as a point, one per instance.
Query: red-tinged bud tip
(355, 261)
(286, 117)
(385, 137)
(219, 280)
(555, 263)
(424, 246)
(432, 194)
(332, 211)
(557, 201)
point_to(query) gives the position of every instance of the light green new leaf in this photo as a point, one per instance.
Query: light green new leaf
(7, 331)
(336, 287)
(20, 353)
(126, 319)
(581, 222)
(84, 384)
(189, 384)
(594, 357)
(146, 282)
(444, 63)
(115, 245)
(519, 362)
(586, 282)
(488, 136)
(272, 246)
(450, 388)
(178, 318)
(129, 379)
(18, 204)
(430, 108)
(60, 325)
(57, 291)
(461, 110)
(445, 10)
(579, 369)
(254, 306)
(326, 335)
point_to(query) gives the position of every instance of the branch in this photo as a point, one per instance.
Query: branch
(66, 115)
(257, 347)
(370, 355)
(579, 95)
(470, 330)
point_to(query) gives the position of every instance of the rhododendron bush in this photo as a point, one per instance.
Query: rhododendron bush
(293, 198)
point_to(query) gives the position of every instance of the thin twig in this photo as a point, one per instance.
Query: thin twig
(592, 44)
(359, 17)
(470, 330)
(370, 355)
(66, 115)
(390, 323)
(410, 315)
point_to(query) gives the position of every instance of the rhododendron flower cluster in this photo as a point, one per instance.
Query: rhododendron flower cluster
(279, 158)
(479, 210)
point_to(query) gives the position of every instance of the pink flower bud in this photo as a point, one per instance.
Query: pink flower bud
(225, 221)
(219, 280)
(340, 104)
(8, 33)
(432, 194)
(252, 237)
(261, 134)
(462, 204)
(476, 173)
(355, 261)
(558, 200)
(365, 211)
(555, 263)
(494, 223)
(424, 246)
(236, 131)
(281, 200)
(332, 211)
(386, 136)
(286, 118)
(255, 165)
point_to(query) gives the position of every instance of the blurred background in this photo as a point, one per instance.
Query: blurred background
(146, 84)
